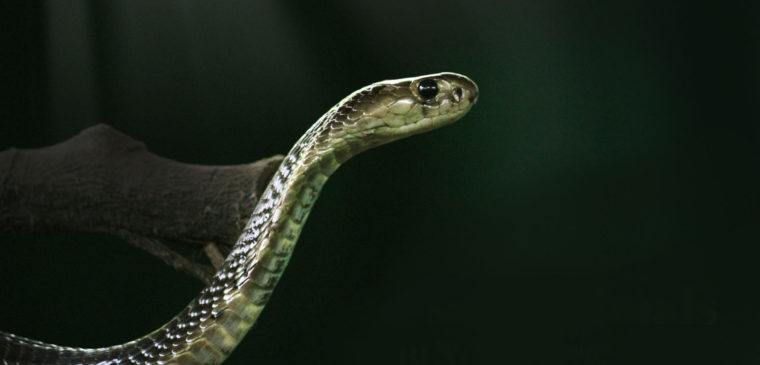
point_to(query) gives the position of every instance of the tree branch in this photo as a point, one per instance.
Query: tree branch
(169, 257)
(104, 181)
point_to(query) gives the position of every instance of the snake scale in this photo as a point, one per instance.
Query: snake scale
(210, 327)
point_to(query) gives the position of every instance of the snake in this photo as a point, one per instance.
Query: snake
(212, 325)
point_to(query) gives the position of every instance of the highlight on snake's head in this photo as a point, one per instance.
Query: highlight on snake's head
(389, 110)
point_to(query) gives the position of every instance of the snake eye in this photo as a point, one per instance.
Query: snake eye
(428, 89)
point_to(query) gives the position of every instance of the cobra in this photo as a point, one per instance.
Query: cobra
(212, 325)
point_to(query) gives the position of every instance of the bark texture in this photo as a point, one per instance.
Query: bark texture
(103, 181)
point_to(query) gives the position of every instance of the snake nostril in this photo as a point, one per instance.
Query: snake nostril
(458, 93)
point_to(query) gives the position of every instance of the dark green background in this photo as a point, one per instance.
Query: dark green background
(598, 205)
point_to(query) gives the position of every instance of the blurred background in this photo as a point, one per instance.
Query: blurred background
(598, 205)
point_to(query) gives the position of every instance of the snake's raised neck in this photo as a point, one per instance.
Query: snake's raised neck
(210, 327)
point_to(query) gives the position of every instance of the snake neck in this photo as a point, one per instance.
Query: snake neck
(269, 237)
(241, 289)
(213, 324)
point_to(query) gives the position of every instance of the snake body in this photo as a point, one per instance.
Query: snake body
(210, 327)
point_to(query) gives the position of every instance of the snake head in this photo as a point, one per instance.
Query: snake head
(393, 109)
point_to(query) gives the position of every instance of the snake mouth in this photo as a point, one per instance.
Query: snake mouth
(424, 124)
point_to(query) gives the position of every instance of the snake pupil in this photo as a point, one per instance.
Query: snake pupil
(428, 88)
